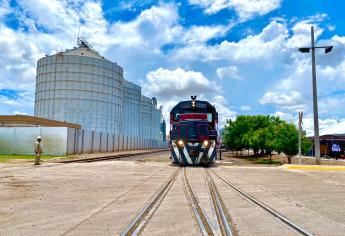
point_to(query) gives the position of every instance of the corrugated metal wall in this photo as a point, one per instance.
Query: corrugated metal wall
(63, 141)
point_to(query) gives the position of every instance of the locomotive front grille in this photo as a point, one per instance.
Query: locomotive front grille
(193, 153)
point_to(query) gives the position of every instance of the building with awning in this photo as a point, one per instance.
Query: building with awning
(327, 141)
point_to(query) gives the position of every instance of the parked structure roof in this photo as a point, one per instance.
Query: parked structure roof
(24, 120)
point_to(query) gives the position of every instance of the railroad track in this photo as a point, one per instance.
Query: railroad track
(295, 227)
(92, 159)
(224, 226)
(145, 214)
(105, 158)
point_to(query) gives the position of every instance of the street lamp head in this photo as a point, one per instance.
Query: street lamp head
(304, 50)
(328, 49)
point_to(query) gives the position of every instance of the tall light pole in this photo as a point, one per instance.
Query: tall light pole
(315, 109)
(300, 118)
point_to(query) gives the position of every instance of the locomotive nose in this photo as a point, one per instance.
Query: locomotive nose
(193, 153)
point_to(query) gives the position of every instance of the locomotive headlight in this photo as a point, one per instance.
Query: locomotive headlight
(205, 143)
(180, 143)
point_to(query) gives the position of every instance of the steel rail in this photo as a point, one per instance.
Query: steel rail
(104, 158)
(92, 159)
(135, 226)
(219, 207)
(199, 215)
(268, 209)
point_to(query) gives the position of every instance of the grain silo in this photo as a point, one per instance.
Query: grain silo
(146, 117)
(80, 86)
(131, 109)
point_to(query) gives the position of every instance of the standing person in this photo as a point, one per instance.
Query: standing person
(38, 150)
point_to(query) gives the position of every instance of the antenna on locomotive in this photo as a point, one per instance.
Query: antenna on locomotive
(193, 97)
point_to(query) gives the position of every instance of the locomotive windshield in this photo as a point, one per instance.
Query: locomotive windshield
(201, 107)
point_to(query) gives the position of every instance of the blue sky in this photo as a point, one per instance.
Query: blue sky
(241, 55)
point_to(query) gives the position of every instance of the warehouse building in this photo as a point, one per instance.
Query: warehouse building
(82, 87)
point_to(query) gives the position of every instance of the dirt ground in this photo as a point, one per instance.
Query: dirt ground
(233, 159)
(247, 159)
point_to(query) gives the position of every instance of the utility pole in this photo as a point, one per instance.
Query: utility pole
(315, 109)
(300, 117)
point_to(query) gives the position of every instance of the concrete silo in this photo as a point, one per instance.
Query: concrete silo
(131, 109)
(146, 117)
(81, 87)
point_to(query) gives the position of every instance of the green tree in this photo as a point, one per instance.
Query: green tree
(287, 140)
(306, 145)
(263, 133)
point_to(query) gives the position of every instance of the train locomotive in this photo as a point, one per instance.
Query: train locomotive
(193, 133)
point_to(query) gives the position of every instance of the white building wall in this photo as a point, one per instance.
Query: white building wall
(21, 140)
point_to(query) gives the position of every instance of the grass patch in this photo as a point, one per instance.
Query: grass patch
(6, 158)
(267, 162)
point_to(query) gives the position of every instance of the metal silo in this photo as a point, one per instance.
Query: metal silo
(131, 109)
(145, 117)
(82, 87)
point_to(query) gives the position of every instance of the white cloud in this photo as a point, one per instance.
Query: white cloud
(22, 102)
(19, 113)
(199, 34)
(53, 14)
(291, 101)
(245, 9)
(331, 27)
(264, 46)
(285, 116)
(5, 8)
(230, 72)
(245, 108)
(165, 83)
(332, 104)
(324, 125)
(301, 34)
(333, 127)
(6, 101)
(223, 109)
(340, 39)
(17, 59)
(160, 25)
(172, 86)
